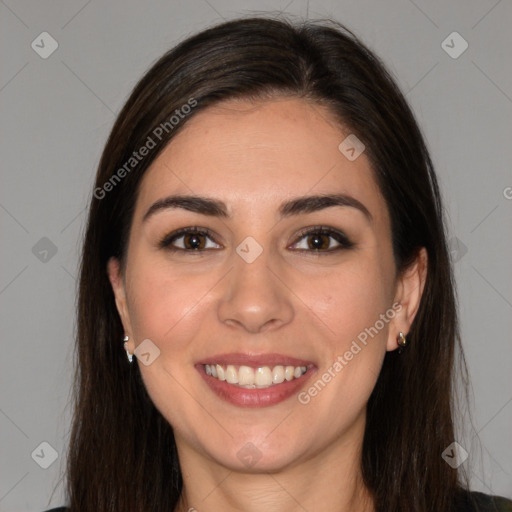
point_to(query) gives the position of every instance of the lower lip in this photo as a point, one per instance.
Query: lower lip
(243, 397)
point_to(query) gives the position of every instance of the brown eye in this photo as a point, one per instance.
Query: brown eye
(320, 239)
(189, 240)
(193, 241)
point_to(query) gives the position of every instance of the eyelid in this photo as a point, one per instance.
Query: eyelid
(340, 237)
(165, 242)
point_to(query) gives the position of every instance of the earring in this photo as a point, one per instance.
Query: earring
(402, 342)
(128, 355)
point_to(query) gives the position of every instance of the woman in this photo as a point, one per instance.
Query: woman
(266, 318)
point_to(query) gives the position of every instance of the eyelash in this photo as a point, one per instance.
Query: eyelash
(341, 238)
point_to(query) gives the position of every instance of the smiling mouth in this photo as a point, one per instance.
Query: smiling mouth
(254, 378)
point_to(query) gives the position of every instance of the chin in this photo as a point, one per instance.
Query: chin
(258, 453)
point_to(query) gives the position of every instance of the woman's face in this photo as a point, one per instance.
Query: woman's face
(280, 279)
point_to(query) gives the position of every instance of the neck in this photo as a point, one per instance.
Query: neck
(328, 480)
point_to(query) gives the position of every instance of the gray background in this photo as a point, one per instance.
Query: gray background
(56, 114)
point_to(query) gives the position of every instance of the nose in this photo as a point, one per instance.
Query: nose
(255, 297)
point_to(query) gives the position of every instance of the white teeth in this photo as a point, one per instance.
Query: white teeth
(245, 376)
(231, 374)
(278, 374)
(261, 377)
(220, 372)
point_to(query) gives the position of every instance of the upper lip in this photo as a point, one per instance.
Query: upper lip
(255, 360)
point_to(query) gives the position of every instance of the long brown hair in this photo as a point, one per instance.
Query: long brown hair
(122, 455)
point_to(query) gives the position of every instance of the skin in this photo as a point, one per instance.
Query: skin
(307, 304)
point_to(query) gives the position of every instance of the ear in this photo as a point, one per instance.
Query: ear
(118, 287)
(409, 290)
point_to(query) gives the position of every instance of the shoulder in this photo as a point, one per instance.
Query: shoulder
(479, 502)
(59, 509)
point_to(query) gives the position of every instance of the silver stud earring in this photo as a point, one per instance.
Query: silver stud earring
(402, 342)
(128, 355)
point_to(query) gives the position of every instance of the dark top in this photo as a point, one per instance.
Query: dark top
(479, 502)
(474, 502)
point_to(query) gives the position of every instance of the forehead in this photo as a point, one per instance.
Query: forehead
(257, 154)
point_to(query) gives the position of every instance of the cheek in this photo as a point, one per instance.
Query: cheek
(348, 300)
(354, 344)
(167, 307)
(161, 302)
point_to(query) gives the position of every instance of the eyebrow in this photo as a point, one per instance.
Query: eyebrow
(215, 208)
